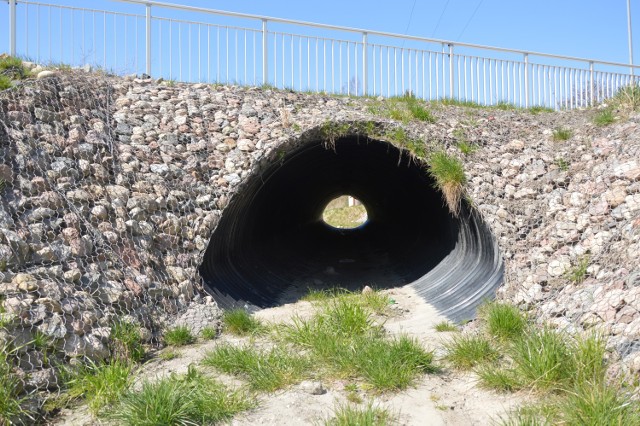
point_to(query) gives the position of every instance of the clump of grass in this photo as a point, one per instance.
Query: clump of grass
(590, 403)
(126, 342)
(5, 82)
(169, 354)
(208, 333)
(99, 384)
(374, 301)
(180, 400)
(578, 273)
(11, 408)
(505, 106)
(537, 109)
(448, 172)
(604, 118)
(562, 164)
(345, 217)
(240, 322)
(265, 371)
(543, 359)
(445, 326)
(503, 320)
(179, 336)
(465, 147)
(497, 379)
(468, 351)
(12, 68)
(561, 134)
(418, 111)
(460, 103)
(348, 415)
(627, 98)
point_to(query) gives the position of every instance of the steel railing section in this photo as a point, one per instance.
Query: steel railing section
(258, 52)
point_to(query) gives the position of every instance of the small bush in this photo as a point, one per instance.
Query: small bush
(445, 326)
(191, 399)
(604, 118)
(347, 415)
(265, 371)
(467, 351)
(240, 322)
(503, 320)
(179, 336)
(99, 384)
(126, 342)
(448, 172)
(627, 98)
(561, 134)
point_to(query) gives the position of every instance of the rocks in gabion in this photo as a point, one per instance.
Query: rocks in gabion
(112, 188)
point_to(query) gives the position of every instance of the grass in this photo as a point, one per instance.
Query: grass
(126, 342)
(562, 164)
(168, 355)
(348, 415)
(265, 371)
(208, 333)
(374, 301)
(604, 118)
(468, 351)
(444, 326)
(99, 384)
(578, 273)
(179, 336)
(627, 98)
(503, 320)
(11, 401)
(12, 68)
(190, 399)
(465, 147)
(5, 82)
(448, 172)
(403, 109)
(561, 134)
(497, 379)
(537, 109)
(345, 217)
(343, 338)
(240, 322)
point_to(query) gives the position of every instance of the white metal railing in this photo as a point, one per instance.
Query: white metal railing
(205, 45)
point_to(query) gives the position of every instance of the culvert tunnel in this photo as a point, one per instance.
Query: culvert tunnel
(271, 245)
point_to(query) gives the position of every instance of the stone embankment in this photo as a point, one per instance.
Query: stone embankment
(112, 187)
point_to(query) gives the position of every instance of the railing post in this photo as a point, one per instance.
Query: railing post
(591, 97)
(365, 68)
(526, 80)
(12, 27)
(148, 39)
(265, 59)
(451, 71)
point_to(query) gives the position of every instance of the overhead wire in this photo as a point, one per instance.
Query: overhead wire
(410, 18)
(470, 19)
(440, 18)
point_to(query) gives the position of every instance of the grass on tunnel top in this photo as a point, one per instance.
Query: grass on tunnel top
(345, 217)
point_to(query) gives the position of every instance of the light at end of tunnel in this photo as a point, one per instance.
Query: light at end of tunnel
(345, 212)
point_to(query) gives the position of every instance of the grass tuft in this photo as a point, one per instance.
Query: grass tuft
(191, 399)
(12, 68)
(126, 342)
(99, 384)
(5, 82)
(179, 336)
(348, 415)
(578, 273)
(208, 333)
(240, 322)
(265, 371)
(445, 326)
(627, 98)
(468, 351)
(503, 320)
(497, 379)
(561, 134)
(604, 118)
(450, 178)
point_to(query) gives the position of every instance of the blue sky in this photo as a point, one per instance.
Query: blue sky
(217, 52)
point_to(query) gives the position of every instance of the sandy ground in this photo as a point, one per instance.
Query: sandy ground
(447, 398)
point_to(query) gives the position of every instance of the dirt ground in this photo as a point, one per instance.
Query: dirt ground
(446, 398)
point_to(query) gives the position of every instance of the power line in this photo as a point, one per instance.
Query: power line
(470, 19)
(440, 18)
(409, 23)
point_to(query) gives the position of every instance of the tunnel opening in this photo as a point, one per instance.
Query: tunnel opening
(272, 245)
(345, 212)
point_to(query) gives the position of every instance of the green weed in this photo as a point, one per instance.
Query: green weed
(208, 333)
(347, 415)
(5, 82)
(467, 351)
(126, 342)
(12, 68)
(265, 371)
(240, 322)
(578, 273)
(445, 326)
(604, 118)
(179, 336)
(561, 134)
(503, 320)
(448, 172)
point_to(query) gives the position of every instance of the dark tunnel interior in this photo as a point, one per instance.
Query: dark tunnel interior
(271, 245)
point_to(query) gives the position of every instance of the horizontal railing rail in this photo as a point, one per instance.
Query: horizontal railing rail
(196, 44)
